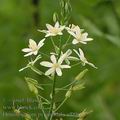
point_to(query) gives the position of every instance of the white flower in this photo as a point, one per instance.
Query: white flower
(82, 58)
(53, 30)
(33, 47)
(67, 56)
(79, 37)
(55, 66)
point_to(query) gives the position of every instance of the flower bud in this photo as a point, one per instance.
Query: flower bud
(81, 75)
(27, 117)
(17, 111)
(84, 114)
(55, 17)
(68, 93)
(78, 87)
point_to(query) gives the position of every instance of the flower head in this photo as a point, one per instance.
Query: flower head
(82, 58)
(53, 30)
(33, 47)
(79, 37)
(55, 66)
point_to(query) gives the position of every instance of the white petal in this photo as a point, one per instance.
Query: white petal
(65, 66)
(73, 58)
(91, 64)
(35, 52)
(77, 30)
(41, 43)
(32, 43)
(49, 34)
(43, 31)
(58, 71)
(72, 33)
(53, 58)
(50, 71)
(85, 35)
(75, 41)
(28, 54)
(89, 39)
(62, 27)
(57, 24)
(81, 52)
(83, 42)
(62, 58)
(76, 52)
(49, 27)
(46, 64)
(26, 50)
(60, 33)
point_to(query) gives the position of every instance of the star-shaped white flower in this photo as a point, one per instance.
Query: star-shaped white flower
(33, 47)
(55, 66)
(53, 30)
(83, 59)
(79, 37)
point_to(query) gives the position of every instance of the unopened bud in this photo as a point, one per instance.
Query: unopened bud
(27, 117)
(84, 114)
(81, 75)
(68, 93)
(78, 87)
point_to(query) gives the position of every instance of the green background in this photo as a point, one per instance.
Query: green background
(101, 18)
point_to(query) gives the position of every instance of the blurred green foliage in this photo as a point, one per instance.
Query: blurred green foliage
(101, 18)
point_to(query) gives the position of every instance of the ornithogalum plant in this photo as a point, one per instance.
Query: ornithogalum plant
(58, 60)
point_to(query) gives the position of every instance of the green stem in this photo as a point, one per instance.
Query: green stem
(53, 97)
(53, 88)
(76, 64)
(61, 104)
(53, 43)
(66, 42)
(41, 106)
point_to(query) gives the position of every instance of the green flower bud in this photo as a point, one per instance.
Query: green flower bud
(81, 75)
(27, 117)
(17, 111)
(84, 114)
(78, 87)
(68, 93)
(55, 17)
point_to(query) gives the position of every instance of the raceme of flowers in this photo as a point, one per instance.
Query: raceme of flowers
(59, 61)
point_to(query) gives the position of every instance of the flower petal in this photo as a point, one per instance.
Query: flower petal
(62, 58)
(26, 50)
(50, 71)
(43, 31)
(81, 53)
(57, 24)
(75, 41)
(65, 66)
(89, 39)
(28, 54)
(76, 52)
(77, 30)
(49, 27)
(58, 71)
(92, 65)
(35, 52)
(53, 58)
(41, 43)
(32, 43)
(46, 64)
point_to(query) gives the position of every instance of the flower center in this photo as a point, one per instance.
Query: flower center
(56, 65)
(55, 30)
(34, 48)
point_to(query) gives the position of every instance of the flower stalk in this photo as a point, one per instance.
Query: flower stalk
(59, 60)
